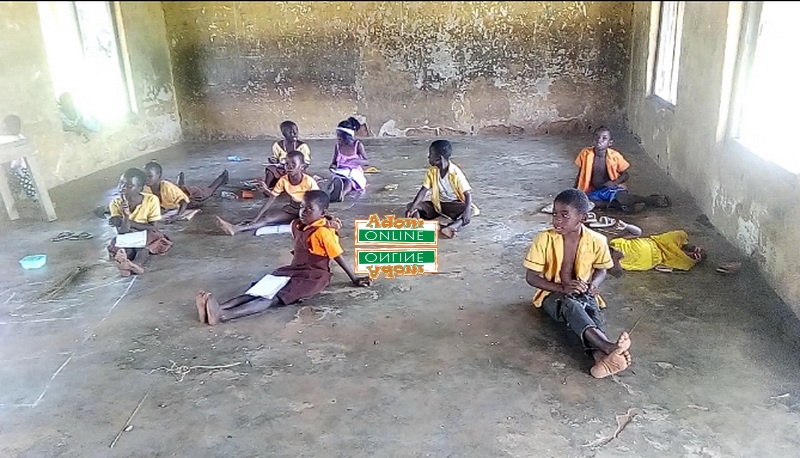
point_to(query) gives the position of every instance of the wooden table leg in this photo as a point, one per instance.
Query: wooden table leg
(41, 188)
(5, 192)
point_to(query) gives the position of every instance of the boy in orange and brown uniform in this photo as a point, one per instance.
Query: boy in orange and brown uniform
(567, 264)
(602, 173)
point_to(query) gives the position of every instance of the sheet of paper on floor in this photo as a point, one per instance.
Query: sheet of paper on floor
(268, 286)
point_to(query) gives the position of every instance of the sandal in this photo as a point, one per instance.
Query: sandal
(728, 268)
(604, 222)
(69, 235)
(663, 269)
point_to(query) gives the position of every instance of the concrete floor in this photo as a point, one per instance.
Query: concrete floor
(457, 364)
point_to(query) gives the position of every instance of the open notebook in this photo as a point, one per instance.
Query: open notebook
(137, 239)
(268, 286)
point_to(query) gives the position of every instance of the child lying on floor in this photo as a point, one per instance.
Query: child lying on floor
(315, 245)
(177, 199)
(295, 183)
(567, 264)
(603, 171)
(280, 150)
(665, 252)
(133, 211)
(450, 192)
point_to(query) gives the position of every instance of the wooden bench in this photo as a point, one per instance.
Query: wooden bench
(24, 149)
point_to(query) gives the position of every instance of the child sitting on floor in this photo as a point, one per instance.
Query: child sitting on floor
(315, 245)
(664, 252)
(295, 183)
(347, 162)
(450, 192)
(175, 199)
(567, 264)
(277, 163)
(132, 211)
(602, 173)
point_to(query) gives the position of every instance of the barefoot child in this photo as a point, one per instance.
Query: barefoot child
(295, 183)
(133, 211)
(602, 173)
(315, 245)
(567, 264)
(346, 164)
(450, 192)
(277, 163)
(664, 252)
(176, 199)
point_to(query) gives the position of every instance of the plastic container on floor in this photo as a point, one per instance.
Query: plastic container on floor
(33, 261)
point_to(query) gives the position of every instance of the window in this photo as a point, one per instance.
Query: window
(767, 97)
(85, 58)
(670, 26)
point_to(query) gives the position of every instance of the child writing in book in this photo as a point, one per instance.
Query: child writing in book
(315, 244)
(347, 162)
(277, 163)
(450, 192)
(135, 210)
(295, 183)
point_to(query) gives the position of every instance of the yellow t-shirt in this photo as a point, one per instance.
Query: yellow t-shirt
(171, 195)
(279, 154)
(324, 241)
(146, 212)
(458, 183)
(296, 192)
(644, 253)
(546, 254)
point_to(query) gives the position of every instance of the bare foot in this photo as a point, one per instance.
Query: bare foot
(227, 227)
(213, 311)
(200, 302)
(121, 258)
(448, 232)
(616, 361)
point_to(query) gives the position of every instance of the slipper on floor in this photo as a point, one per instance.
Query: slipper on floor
(591, 217)
(549, 208)
(663, 269)
(603, 223)
(372, 170)
(69, 235)
(729, 267)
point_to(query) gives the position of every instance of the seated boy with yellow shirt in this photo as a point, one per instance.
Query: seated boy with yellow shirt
(133, 211)
(280, 149)
(665, 252)
(450, 192)
(567, 264)
(176, 200)
(295, 183)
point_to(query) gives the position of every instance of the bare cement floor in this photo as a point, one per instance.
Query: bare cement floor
(456, 364)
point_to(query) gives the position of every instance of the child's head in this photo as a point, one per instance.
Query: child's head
(439, 153)
(12, 125)
(346, 131)
(602, 138)
(153, 170)
(132, 182)
(569, 211)
(289, 130)
(315, 206)
(295, 164)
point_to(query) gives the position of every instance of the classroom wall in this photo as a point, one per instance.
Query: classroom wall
(25, 82)
(752, 201)
(243, 67)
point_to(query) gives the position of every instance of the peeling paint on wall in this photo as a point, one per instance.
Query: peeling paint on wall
(461, 65)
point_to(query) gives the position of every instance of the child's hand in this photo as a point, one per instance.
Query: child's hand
(333, 223)
(411, 212)
(467, 215)
(574, 287)
(593, 290)
(362, 281)
(272, 160)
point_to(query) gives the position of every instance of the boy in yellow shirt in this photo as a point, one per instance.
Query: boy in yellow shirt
(281, 149)
(665, 252)
(135, 210)
(295, 183)
(450, 192)
(177, 199)
(603, 172)
(567, 264)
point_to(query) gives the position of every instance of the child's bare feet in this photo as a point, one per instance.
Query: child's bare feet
(227, 227)
(213, 311)
(200, 302)
(616, 361)
(126, 267)
(448, 232)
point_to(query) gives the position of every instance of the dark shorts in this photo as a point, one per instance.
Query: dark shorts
(579, 313)
(452, 210)
(604, 194)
